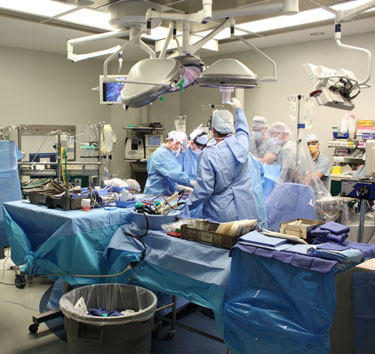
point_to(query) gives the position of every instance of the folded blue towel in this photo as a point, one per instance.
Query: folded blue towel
(322, 235)
(256, 238)
(348, 256)
(298, 248)
(335, 228)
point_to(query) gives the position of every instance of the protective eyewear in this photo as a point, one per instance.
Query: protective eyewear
(315, 142)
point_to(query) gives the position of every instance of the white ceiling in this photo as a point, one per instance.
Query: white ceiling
(43, 37)
(304, 35)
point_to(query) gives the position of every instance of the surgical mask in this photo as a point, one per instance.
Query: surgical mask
(313, 149)
(257, 135)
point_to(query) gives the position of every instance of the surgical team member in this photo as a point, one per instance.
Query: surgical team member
(223, 184)
(256, 177)
(261, 145)
(189, 157)
(321, 162)
(164, 171)
(281, 141)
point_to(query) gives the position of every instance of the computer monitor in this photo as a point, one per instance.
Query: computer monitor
(110, 87)
(153, 140)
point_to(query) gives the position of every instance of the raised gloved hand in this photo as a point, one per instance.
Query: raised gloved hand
(186, 189)
(193, 182)
(235, 103)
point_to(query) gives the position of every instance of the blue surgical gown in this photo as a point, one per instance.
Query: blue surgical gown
(256, 179)
(188, 159)
(223, 184)
(164, 173)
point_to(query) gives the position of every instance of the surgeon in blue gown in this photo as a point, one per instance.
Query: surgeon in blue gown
(189, 157)
(164, 170)
(223, 184)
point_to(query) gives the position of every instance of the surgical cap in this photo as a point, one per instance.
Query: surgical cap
(311, 137)
(199, 136)
(178, 136)
(134, 185)
(279, 127)
(222, 121)
(202, 139)
(259, 122)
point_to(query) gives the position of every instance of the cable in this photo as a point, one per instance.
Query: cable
(33, 185)
(61, 165)
(138, 238)
(84, 275)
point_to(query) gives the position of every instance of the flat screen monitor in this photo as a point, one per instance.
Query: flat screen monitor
(153, 140)
(110, 88)
(112, 92)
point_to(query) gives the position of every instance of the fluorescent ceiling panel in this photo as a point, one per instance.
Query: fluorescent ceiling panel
(45, 8)
(90, 18)
(99, 19)
(304, 17)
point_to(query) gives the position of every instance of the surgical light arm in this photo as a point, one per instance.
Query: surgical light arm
(198, 45)
(135, 38)
(367, 78)
(272, 78)
(344, 16)
(76, 41)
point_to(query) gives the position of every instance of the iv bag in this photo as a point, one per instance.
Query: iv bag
(107, 140)
(308, 112)
(180, 123)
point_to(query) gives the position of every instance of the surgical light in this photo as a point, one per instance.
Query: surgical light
(228, 73)
(169, 75)
(163, 72)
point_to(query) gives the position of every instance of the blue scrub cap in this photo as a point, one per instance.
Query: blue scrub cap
(222, 121)
(202, 139)
(199, 136)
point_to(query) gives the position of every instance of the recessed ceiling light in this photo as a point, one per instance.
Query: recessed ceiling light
(91, 18)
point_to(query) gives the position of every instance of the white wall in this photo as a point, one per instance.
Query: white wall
(120, 119)
(39, 87)
(44, 88)
(270, 99)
